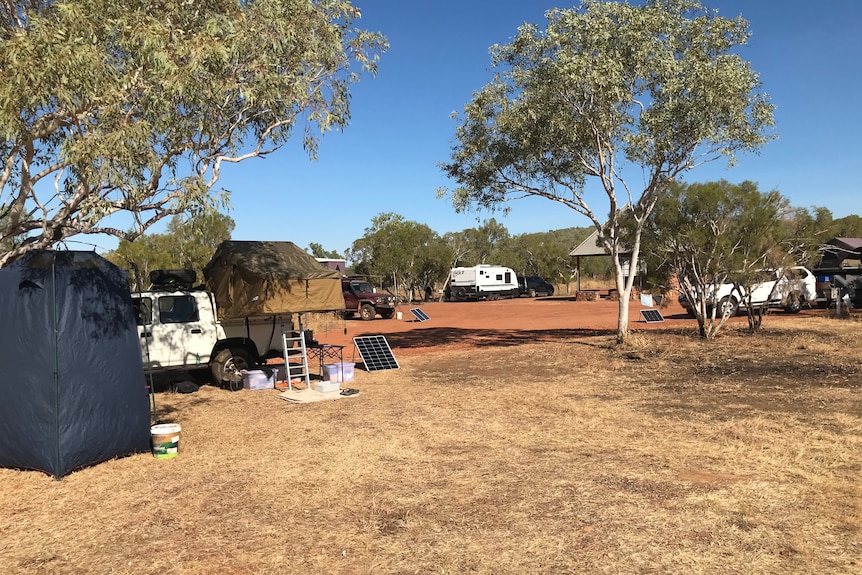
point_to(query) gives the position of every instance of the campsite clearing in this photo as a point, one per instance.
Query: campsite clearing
(492, 450)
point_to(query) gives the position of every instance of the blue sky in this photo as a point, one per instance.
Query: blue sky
(809, 56)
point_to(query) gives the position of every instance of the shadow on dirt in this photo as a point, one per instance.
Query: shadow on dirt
(485, 338)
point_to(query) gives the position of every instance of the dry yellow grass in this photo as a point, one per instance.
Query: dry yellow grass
(667, 455)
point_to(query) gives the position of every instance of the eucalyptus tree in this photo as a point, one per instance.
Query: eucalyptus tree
(147, 253)
(116, 115)
(458, 248)
(484, 241)
(806, 231)
(606, 90)
(195, 239)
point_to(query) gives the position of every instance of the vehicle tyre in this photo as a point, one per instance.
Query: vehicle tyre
(460, 293)
(689, 311)
(227, 367)
(532, 292)
(727, 306)
(794, 304)
(388, 314)
(550, 292)
(366, 312)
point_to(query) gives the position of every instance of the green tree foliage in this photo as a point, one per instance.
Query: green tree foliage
(805, 232)
(132, 108)
(714, 233)
(458, 246)
(546, 254)
(147, 253)
(657, 87)
(403, 254)
(187, 244)
(318, 251)
(431, 257)
(482, 242)
(847, 227)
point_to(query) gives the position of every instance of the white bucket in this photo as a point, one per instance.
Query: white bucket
(166, 440)
(398, 315)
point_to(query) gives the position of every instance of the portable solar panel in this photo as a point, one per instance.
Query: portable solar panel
(419, 314)
(375, 352)
(651, 315)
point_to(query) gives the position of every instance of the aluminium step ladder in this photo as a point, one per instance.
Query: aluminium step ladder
(295, 349)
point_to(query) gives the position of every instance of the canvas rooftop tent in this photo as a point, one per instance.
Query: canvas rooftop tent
(73, 391)
(259, 278)
(840, 253)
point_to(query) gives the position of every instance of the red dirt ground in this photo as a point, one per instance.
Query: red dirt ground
(462, 325)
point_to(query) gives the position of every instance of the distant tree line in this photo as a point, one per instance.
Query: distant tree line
(395, 252)
(408, 255)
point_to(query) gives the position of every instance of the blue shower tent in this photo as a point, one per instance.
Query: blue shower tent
(73, 391)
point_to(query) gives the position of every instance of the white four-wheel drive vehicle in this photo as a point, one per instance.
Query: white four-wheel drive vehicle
(179, 329)
(789, 289)
(253, 291)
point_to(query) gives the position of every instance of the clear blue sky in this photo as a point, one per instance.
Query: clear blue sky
(809, 55)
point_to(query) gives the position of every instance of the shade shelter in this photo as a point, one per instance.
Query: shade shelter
(590, 247)
(73, 391)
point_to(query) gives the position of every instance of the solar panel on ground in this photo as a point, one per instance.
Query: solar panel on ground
(419, 314)
(651, 315)
(375, 352)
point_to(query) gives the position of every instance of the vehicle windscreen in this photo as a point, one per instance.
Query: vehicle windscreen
(361, 287)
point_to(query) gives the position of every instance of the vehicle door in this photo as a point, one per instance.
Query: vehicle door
(143, 308)
(176, 335)
(804, 282)
(762, 290)
(351, 302)
(797, 280)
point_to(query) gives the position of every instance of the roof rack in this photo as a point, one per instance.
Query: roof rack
(173, 279)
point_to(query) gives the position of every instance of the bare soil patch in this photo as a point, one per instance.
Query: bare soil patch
(515, 438)
(465, 325)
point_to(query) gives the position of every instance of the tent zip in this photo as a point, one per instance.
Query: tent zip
(56, 334)
(153, 413)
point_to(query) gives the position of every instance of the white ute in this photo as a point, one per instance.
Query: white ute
(789, 289)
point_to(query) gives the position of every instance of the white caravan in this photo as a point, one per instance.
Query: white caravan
(482, 282)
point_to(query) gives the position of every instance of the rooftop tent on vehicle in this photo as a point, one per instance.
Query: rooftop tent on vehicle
(74, 391)
(251, 278)
(841, 252)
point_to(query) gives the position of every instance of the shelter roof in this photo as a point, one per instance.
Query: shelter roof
(590, 247)
(849, 244)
